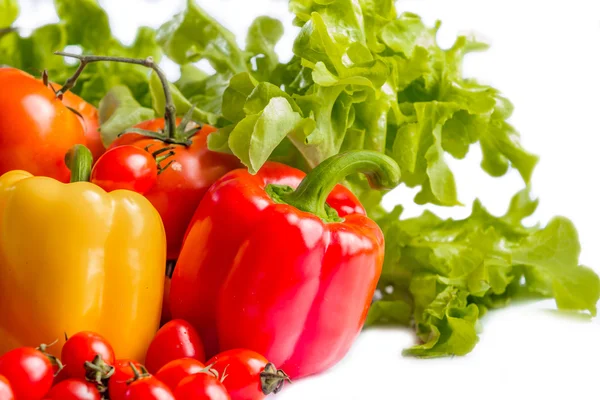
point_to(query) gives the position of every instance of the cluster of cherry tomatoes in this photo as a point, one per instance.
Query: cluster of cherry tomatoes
(175, 368)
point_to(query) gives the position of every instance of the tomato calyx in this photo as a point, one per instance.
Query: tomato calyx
(161, 155)
(138, 374)
(273, 379)
(98, 372)
(42, 348)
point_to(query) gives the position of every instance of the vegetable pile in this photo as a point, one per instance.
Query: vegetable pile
(367, 90)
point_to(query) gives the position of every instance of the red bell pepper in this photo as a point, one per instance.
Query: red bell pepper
(287, 273)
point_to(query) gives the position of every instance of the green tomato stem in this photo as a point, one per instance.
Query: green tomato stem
(79, 160)
(311, 195)
(170, 111)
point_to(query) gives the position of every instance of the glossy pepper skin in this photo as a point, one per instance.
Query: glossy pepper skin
(257, 272)
(75, 258)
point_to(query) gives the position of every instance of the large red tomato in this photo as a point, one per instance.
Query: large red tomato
(36, 128)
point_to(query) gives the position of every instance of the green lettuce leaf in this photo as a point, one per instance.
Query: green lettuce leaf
(33, 54)
(449, 272)
(181, 103)
(248, 141)
(550, 257)
(194, 35)
(86, 24)
(234, 96)
(263, 35)
(9, 11)
(119, 111)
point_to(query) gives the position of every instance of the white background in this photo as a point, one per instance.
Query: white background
(545, 57)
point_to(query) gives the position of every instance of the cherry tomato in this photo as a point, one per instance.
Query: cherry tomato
(125, 167)
(181, 186)
(176, 339)
(82, 347)
(6, 392)
(202, 386)
(149, 388)
(29, 372)
(243, 368)
(173, 372)
(36, 128)
(90, 122)
(73, 389)
(117, 383)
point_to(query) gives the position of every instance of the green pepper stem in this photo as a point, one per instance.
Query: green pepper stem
(170, 111)
(312, 193)
(79, 160)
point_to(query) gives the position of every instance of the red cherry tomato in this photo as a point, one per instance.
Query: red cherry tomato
(125, 167)
(181, 186)
(118, 382)
(176, 339)
(73, 389)
(243, 368)
(6, 392)
(90, 122)
(202, 386)
(36, 128)
(173, 372)
(149, 388)
(82, 347)
(29, 372)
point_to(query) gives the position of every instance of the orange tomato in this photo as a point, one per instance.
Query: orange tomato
(36, 128)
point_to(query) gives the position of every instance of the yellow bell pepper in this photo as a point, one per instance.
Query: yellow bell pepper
(73, 258)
